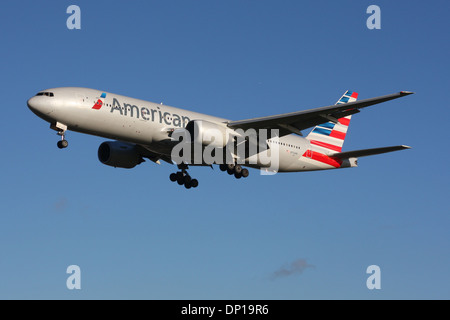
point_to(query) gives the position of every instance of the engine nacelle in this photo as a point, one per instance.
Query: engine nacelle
(119, 154)
(208, 133)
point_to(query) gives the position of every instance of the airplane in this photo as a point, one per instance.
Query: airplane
(142, 129)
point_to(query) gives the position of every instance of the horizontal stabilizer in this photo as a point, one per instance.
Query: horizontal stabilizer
(366, 152)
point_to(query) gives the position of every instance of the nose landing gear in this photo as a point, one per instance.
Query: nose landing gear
(61, 131)
(63, 143)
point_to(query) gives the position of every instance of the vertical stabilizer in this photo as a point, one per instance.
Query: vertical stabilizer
(329, 137)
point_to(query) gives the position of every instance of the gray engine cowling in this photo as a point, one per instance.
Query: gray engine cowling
(119, 154)
(208, 133)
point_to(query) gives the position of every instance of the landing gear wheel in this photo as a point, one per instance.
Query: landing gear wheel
(179, 177)
(187, 179)
(194, 183)
(183, 178)
(235, 169)
(62, 144)
(230, 168)
(62, 133)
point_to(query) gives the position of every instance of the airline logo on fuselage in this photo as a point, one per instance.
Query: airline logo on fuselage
(99, 103)
(149, 114)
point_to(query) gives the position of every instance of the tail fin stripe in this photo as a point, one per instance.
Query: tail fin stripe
(326, 145)
(331, 133)
(325, 132)
(328, 125)
(344, 121)
(337, 134)
(329, 137)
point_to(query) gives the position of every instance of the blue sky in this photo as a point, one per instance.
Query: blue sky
(136, 235)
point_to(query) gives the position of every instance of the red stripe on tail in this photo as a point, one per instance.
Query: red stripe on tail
(334, 162)
(326, 145)
(344, 121)
(337, 134)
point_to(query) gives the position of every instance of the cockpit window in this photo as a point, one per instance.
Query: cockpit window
(48, 94)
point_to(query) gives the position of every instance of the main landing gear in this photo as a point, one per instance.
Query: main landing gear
(235, 169)
(183, 178)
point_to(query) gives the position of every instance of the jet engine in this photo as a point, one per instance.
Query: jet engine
(119, 154)
(208, 133)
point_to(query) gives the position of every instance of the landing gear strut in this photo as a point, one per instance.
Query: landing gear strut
(183, 178)
(61, 131)
(63, 142)
(234, 169)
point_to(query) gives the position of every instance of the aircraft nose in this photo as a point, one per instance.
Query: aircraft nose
(39, 106)
(31, 103)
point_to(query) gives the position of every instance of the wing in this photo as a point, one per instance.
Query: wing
(146, 152)
(294, 122)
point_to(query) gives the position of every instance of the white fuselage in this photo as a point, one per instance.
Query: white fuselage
(146, 123)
